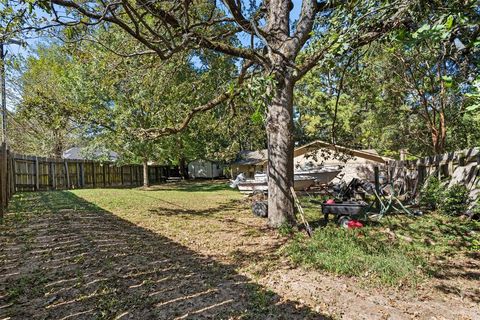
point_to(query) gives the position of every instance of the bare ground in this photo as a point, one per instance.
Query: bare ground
(82, 261)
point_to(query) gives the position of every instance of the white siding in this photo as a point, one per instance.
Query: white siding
(204, 169)
(353, 167)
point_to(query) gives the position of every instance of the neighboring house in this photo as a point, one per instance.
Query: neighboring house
(249, 162)
(201, 168)
(77, 153)
(353, 163)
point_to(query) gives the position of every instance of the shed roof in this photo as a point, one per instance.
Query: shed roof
(369, 154)
(249, 157)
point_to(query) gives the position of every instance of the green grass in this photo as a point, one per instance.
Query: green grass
(399, 250)
(360, 253)
(200, 198)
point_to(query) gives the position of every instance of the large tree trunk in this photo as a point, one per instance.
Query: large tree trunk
(183, 168)
(146, 183)
(280, 154)
(58, 145)
(443, 133)
(439, 135)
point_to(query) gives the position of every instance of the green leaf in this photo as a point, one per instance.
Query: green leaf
(448, 81)
(473, 107)
(257, 117)
(449, 23)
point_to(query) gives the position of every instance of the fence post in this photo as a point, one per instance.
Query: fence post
(77, 167)
(3, 181)
(104, 176)
(66, 174)
(9, 177)
(14, 172)
(421, 169)
(37, 175)
(50, 175)
(461, 159)
(12, 175)
(82, 174)
(137, 176)
(94, 175)
(377, 184)
(131, 175)
(54, 175)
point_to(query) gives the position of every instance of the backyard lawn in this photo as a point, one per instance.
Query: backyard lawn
(194, 250)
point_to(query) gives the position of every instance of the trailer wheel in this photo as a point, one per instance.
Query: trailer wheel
(260, 208)
(343, 221)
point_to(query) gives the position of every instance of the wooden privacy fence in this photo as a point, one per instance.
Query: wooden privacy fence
(460, 167)
(6, 179)
(30, 173)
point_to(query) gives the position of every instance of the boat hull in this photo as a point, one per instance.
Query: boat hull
(321, 177)
(300, 183)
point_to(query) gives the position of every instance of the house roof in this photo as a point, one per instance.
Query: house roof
(372, 151)
(77, 153)
(315, 145)
(248, 157)
(370, 154)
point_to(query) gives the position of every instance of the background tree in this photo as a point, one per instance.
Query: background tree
(129, 96)
(43, 121)
(409, 91)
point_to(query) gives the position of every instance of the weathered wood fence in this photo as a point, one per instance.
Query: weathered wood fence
(30, 173)
(460, 167)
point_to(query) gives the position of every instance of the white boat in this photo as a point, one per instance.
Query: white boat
(322, 176)
(249, 186)
(301, 182)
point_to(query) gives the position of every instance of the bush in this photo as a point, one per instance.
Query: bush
(431, 193)
(454, 200)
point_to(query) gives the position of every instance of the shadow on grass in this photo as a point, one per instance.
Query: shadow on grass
(193, 186)
(167, 210)
(63, 257)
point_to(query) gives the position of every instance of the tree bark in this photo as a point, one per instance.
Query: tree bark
(443, 132)
(183, 168)
(280, 154)
(146, 183)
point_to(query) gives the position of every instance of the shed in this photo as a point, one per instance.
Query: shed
(249, 162)
(201, 168)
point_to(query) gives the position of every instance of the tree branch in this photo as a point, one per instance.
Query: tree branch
(156, 133)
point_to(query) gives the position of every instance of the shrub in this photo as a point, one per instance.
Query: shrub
(431, 193)
(454, 200)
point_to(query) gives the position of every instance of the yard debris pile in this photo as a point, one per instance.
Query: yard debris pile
(351, 204)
